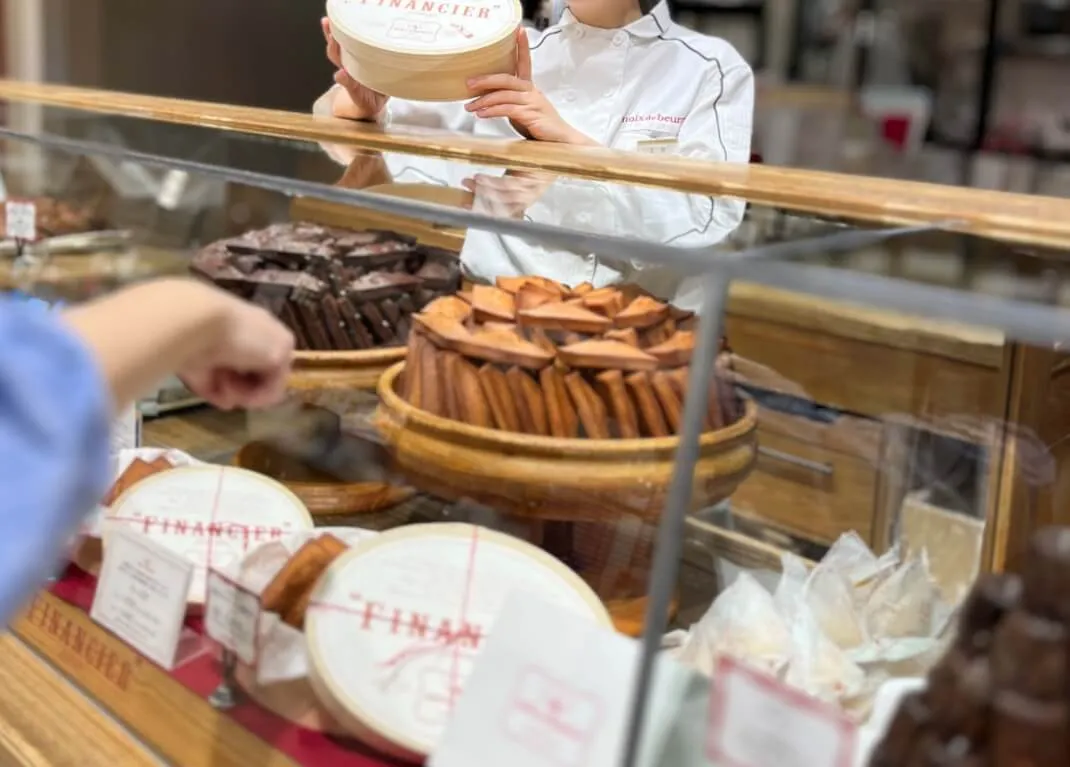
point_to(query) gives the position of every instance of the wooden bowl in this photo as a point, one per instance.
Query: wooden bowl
(342, 370)
(321, 494)
(553, 478)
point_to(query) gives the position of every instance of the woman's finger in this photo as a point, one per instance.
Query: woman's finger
(505, 110)
(523, 55)
(488, 83)
(497, 98)
(334, 52)
(325, 25)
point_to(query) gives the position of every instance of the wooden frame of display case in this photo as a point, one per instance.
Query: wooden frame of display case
(1006, 382)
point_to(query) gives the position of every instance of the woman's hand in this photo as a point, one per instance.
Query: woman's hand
(508, 196)
(249, 361)
(526, 107)
(355, 101)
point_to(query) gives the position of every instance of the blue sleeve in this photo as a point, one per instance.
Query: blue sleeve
(55, 414)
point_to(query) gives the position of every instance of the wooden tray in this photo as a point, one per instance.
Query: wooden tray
(552, 478)
(321, 495)
(342, 370)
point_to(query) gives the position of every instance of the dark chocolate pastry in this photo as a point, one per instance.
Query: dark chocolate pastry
(1001, 695)
(376, 285)
(992, 597)
(1028, 732)
(910, 723)
(1047, 573)
(1044, 643)
(336, 289)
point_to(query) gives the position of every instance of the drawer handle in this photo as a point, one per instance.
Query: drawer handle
(824, 469)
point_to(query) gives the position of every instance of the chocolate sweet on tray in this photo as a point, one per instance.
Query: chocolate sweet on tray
(338, 290)
(532, 356)
(1001, 695)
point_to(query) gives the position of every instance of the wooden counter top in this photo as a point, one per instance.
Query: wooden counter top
(1035, 220)
(46, 722)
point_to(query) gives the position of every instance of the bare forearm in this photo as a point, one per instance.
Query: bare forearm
(142, 334)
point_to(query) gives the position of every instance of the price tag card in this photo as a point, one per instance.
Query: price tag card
(126, 431)
(172, 189)
(20, 219)
(758, 721)
(232, 616)
(141, 594)
(552, 688)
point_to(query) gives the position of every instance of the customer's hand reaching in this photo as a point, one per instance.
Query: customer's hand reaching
(248, 364)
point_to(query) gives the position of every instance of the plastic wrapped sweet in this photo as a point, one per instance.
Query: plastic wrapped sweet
(742, 622)
(836, 630)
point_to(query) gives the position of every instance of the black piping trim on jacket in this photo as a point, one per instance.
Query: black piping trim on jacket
(662, 32)
(546, 37)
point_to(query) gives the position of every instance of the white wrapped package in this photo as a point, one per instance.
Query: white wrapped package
(830, 598)
(904, 604)
(283, 655)
(818, 667)
(837, 631)
(742, 622)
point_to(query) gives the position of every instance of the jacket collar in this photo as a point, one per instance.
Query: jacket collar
(649, 25)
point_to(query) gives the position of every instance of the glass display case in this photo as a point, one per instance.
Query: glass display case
(779, 415)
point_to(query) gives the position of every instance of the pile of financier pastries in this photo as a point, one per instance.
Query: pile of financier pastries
(336, 289)
(1000, 697)
(530, 355)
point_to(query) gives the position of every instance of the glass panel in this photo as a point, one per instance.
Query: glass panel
(878, 390)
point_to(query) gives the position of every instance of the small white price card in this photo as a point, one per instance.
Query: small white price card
(172, 189)
(141, 594)
(757, 721)
(552, 688)
(232, 616)
(20, 219)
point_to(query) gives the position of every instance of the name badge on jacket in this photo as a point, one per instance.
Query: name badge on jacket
(657, 146)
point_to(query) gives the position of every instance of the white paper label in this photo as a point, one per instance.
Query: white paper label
(126, 431)
(172, 189)
(553, 689)
(757, 721)
(232, 616)
(20, 219)
(426, 27)
(141, 595)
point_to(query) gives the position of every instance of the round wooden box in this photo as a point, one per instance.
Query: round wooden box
(321, 495)
(425, 51)
(557, 479)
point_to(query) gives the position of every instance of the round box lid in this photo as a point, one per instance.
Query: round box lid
(424, 28)
(212, 515)
(395, 624)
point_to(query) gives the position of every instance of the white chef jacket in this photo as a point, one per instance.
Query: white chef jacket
(650, 80)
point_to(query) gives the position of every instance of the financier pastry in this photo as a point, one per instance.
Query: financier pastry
(533, 356)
